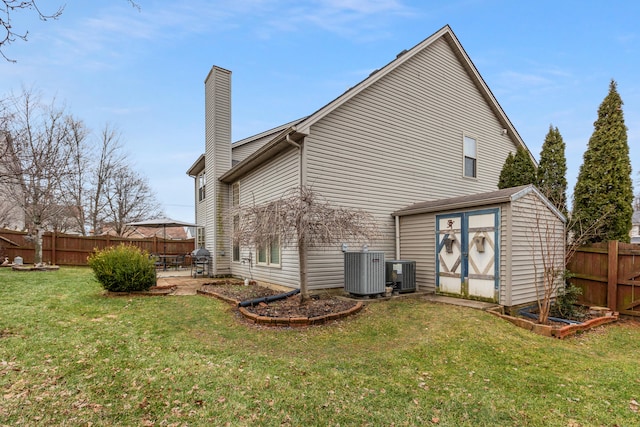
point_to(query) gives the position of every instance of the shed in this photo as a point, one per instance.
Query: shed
(489, 246)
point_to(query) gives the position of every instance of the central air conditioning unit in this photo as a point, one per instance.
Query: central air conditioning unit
(401, 275)
(364, 273)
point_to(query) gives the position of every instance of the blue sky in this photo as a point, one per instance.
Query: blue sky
(547, 62)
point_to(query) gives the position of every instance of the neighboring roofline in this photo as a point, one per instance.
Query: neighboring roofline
(507, 195)
(196, 167)
(260, 135)
(268, 151)
(448, 34)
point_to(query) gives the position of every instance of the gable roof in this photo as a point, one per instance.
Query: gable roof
(506, 195)
(274, 131)
(302, 128)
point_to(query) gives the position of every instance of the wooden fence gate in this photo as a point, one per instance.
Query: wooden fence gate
(609, 275)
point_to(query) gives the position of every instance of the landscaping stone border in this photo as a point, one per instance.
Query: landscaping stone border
(284, 321)
(559, 332)
(35, 268)
(154, 291)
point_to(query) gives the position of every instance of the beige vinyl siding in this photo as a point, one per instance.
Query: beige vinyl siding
(400, 141)
(218, 161)
(241, 152)
(418, 243)
(527, 212)
(266, 183)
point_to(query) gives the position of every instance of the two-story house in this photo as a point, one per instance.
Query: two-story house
(424, 129)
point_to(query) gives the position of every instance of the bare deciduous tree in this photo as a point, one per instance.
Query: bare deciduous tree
(302, 219)
(551, 251)
(109, 158)
(39, 137)
(129, 198)
(9, 7)
(74, 187)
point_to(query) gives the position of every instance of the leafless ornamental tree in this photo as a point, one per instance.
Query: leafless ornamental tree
(41, 144)
(301, 219)
(550, 252)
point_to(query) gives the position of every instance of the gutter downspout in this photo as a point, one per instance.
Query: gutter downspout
(397, 237)
(299, 147)
(291, 141)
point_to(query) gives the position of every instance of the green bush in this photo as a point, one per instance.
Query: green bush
(566, 303)
(123, 268)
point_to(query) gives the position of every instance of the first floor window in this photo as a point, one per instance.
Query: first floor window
(269, 254)
(236, 244)
(470, 157)
(200, 237)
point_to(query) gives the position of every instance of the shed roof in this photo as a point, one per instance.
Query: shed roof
(506, 195)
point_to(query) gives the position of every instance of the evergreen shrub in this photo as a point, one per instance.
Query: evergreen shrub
(123, 268)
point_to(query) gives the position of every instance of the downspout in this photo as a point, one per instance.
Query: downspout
(302, 250)
(397, 237)
(292, 142)
(299, 147)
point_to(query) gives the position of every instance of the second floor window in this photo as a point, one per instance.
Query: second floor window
(202, 186)
(470, 157)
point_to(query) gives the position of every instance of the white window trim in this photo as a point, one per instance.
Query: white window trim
(202, 187)
(268, 263)
(475, 139)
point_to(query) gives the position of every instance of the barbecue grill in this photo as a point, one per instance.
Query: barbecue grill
(201, 263)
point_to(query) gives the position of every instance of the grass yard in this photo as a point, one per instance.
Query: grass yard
(71, 356)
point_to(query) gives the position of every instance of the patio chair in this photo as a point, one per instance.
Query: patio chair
(178, 262)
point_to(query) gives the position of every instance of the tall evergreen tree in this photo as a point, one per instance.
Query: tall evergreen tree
(517, 170)
(604, 187)
(552, 171)
(506, 174)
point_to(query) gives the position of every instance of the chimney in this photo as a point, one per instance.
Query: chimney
(217, 99)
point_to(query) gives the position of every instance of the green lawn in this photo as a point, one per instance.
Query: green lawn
(71, 356)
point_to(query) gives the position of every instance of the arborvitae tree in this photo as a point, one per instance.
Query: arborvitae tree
(517, 170)
(604, 187)
(552, 171)
(506, 174)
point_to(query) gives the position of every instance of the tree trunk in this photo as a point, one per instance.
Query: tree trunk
(302, 255)
(37, 257)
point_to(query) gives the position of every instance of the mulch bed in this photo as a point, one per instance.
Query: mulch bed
(288, 311)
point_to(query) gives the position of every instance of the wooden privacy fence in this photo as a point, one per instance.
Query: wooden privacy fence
(67, 249)
(609, 275)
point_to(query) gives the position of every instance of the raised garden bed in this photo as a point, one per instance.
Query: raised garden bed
(283, 311)
(558, 329)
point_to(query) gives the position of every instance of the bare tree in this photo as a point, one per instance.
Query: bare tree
(302, 219)
(74, 186)
(550, 251)
(109, 158)
(129, 198)
(39, 137)
(9, 7)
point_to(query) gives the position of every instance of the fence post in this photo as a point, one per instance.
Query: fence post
(612, 277)
(54, 236)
